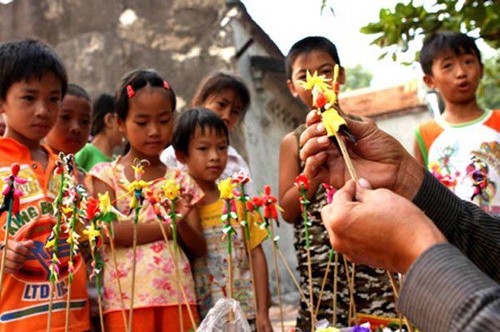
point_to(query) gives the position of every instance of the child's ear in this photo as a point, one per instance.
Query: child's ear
(180, 156)
(121, 125)
(341, 78)
(109, 119)
(291, 87)
(429, 81)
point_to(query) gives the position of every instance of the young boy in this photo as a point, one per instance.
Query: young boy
(227, 96)
(72, 128)
(201, 141)
(462, 146)
(33, 82)
(373, 291)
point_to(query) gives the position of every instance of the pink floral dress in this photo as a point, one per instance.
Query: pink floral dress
(156, 280)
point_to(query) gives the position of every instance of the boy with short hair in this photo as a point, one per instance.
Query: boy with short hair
(33, 82)
(461, 147)
(374, 296)
(201, 140)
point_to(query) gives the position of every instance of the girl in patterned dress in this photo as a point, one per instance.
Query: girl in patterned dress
(145, 106)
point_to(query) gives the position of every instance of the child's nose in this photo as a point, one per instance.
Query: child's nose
(154, 130)
(214, 155)
(460, 70)
(41, 109)
(75, 127)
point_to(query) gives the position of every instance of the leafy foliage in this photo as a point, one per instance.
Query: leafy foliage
(408, 21)
(399, 26)
(357, 77)
(488, 96)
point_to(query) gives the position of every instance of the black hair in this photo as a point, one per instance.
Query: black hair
(78, 91)
(27, 59)
(135, 81)
(219, 81)
(307, 45)
(438, 42)
(192, 119)
(103, 105)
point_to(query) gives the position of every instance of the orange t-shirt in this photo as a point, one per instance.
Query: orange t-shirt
(25, 294)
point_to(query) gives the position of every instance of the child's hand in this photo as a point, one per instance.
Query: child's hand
(264, 323)
(184, 206)
(16, 254)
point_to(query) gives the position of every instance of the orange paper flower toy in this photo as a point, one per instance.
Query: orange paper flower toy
(326, 101)
(269, 202)
(302, 183)
(93, 231)
(10, 204)
(241, 179)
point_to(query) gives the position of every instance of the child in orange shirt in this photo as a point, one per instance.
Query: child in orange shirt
(33, 82)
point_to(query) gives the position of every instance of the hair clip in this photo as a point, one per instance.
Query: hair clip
(166, 85)
(130, 91)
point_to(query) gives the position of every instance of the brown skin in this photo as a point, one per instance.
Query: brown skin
(378, 227)
(398, 231)
(377, 157)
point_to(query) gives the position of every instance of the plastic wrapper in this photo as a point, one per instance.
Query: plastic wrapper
(225, 316)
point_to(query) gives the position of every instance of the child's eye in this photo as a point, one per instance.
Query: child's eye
(202, 148)
(86, 122)
(447, 65)
(235, 112)
(164, 121)
(301, 77)
(140, 124)
(65, 117)
(223, 147)
(28, 98)
(55, 99)
(326, 72)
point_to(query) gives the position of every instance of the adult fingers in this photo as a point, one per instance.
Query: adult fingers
(314, 131)
(345, 194)
(314, 164)
(313, 117)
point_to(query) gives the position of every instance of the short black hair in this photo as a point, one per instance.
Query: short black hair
(307, 45)
(440, 41)
(104, 104)
(78, 91)
(27, 59)
(192, 119)
(216, 83)
(136, 80)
